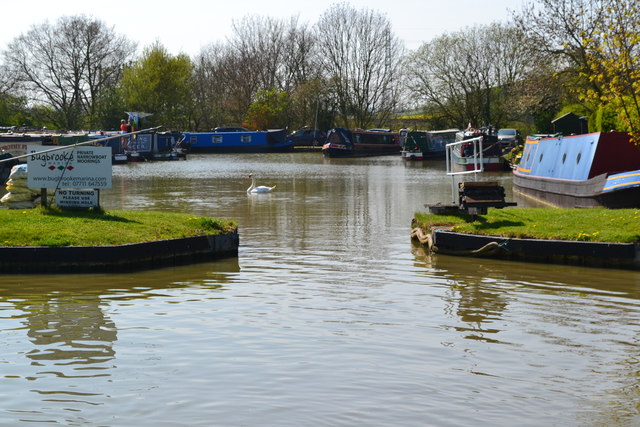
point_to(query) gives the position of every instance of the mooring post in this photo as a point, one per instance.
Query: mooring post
(43, 197)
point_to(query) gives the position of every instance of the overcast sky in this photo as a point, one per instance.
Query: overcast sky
(185, 26)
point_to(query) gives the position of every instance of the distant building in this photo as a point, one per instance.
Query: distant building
(570, 124)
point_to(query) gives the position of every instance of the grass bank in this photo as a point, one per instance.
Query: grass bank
(594, 224)
(52, 227)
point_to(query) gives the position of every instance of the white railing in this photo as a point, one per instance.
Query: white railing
(478, 164)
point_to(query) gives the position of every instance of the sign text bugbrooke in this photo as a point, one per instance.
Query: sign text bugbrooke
(77, 167)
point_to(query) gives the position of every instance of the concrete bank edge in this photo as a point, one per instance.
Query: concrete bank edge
(136, 256)
(595, 254)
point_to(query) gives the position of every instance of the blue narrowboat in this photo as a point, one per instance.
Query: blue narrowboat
(236, 141)
(595, 169)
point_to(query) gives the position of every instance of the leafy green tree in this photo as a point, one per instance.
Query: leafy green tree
(109, 109)
(606, 117)
(12, 110)
(613, 64)
(269, 110)
(160, 84)
(311, 106)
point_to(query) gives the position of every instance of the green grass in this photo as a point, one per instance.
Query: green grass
(52, 227)
(596, 224)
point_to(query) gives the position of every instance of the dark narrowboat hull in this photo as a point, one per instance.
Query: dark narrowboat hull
(424, 145)
(412, 155)
(360, 150)
(361, 143)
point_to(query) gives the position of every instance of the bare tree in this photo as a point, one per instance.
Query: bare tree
(66, 66)
(210, 87)
(470, 75)
(299, 65)
(8, 82)
(560, 28)
(360, 60)
(263, 54)
(595, 45)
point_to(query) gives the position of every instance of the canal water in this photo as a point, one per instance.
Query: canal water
(328, 317)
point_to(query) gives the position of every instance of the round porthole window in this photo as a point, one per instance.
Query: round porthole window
(578, 158)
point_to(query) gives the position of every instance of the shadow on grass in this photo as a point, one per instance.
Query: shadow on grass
(87, 214)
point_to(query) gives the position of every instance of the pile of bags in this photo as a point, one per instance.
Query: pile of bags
(19, 195)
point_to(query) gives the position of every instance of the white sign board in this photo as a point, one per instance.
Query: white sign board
(75, 167)
(71, 198)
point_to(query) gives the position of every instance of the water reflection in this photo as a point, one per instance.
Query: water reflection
(566, 325)
(565, 278)
(70, 328)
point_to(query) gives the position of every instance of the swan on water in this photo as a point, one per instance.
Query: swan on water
(259, 189)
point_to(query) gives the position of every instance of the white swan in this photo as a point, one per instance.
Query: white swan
(259, 189)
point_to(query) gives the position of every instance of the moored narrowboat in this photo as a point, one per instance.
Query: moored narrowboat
(420, 144)
(361, 143)
(237, 140)
(488, 154)
(595, 169)
(141, 147)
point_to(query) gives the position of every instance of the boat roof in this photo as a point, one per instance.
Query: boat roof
(445, 130)
(579, 157)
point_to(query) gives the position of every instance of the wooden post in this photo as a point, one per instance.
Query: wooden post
(43, 197)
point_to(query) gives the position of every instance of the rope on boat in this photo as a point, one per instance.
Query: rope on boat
(419, 234)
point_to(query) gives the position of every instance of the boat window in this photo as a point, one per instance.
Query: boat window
(245, 138)
(564, 157)
(541, 154)
(528, 155)
(578, 158)
(217, 139)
